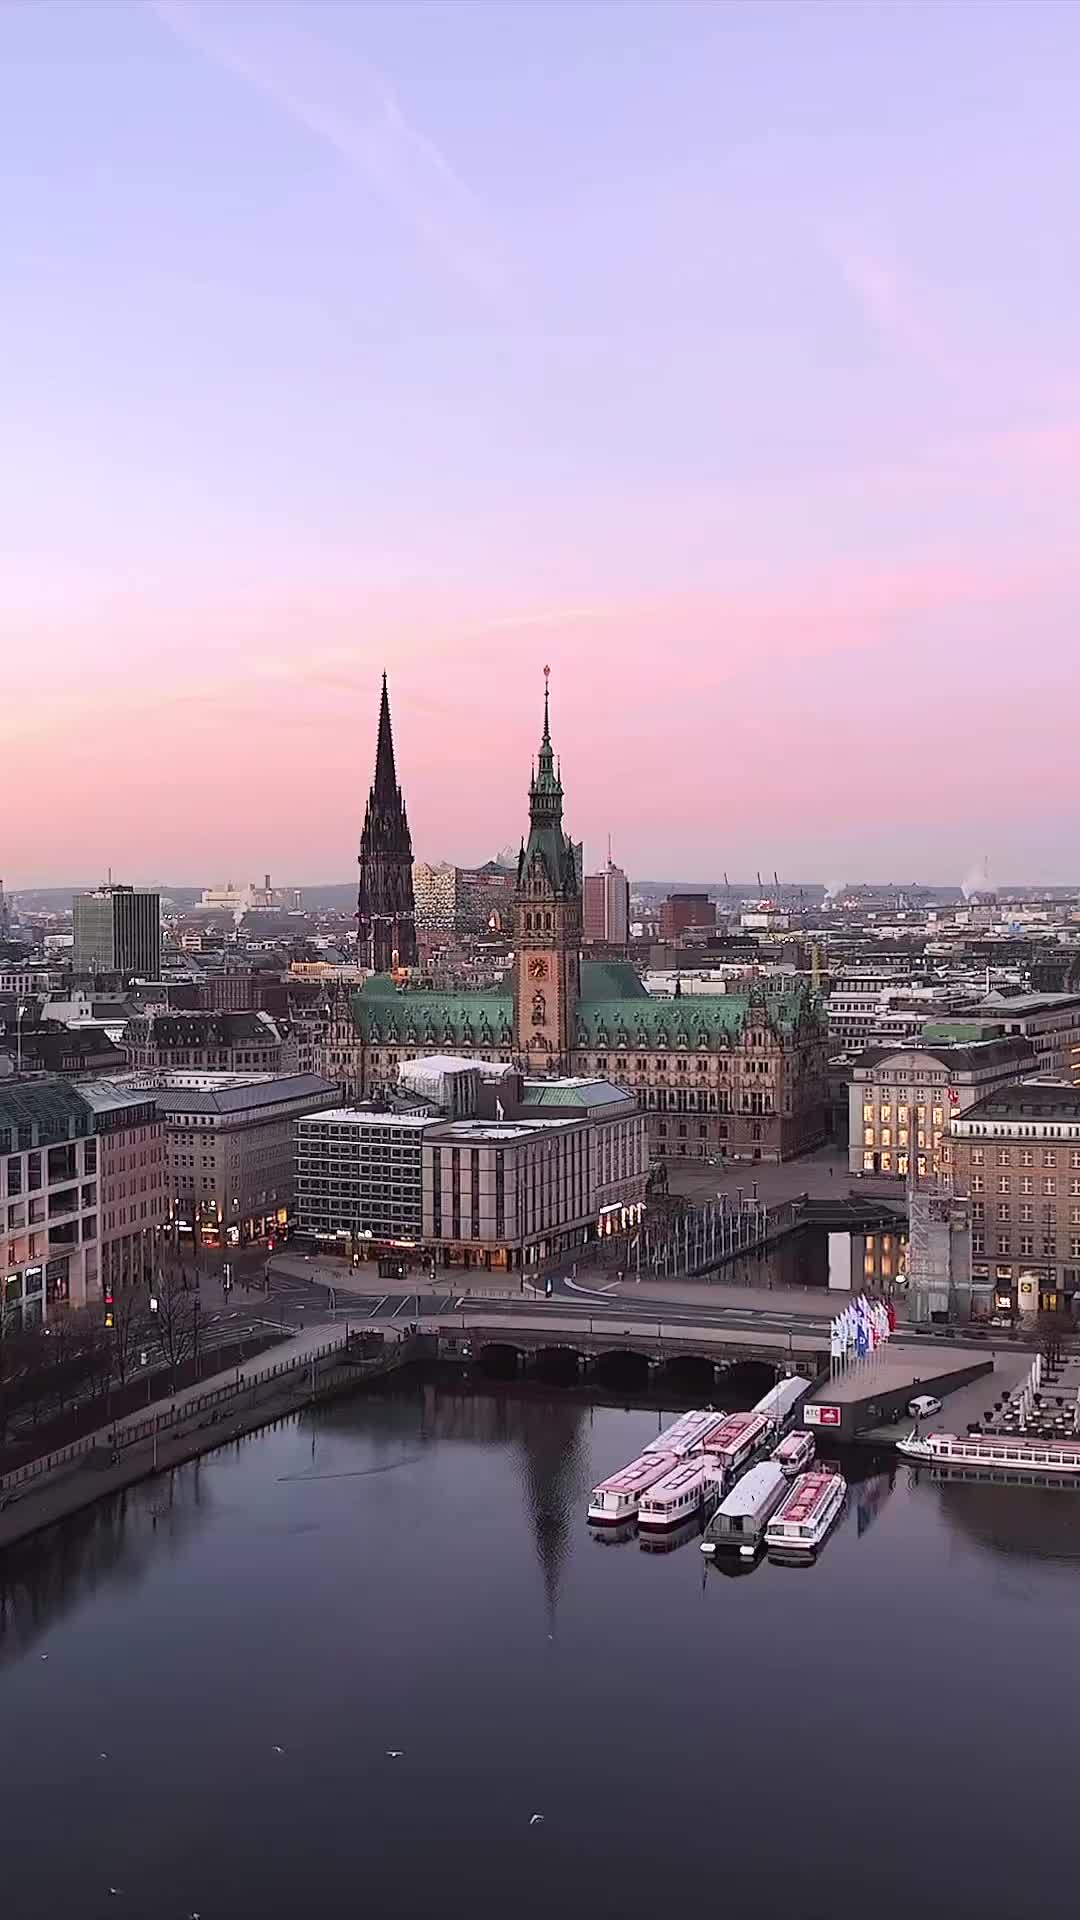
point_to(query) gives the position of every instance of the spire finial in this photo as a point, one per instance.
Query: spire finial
(547, 729)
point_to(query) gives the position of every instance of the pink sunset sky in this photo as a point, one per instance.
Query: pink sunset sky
(724, 358)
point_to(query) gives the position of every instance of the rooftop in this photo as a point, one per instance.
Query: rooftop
(274, 1091)
(497, 1131)
(1008, 1050)
(365, 1117)
(1028, 1099)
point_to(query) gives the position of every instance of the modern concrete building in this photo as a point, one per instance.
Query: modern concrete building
(506, 1193)
(133, 1183)
(118, 930)
(1016, 1153)
(231, 1143)
(359, 1178)
(49, 1205)
(902, 1099)
(1051, 1021)
(606, 908)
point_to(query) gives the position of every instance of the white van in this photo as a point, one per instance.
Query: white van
(923, 1405)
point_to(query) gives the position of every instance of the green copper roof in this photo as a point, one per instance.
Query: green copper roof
(611, 980)
(441, 1021)
(433, 1020)
(711, 1020)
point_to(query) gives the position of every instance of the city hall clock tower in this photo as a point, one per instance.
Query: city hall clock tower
(547, 925)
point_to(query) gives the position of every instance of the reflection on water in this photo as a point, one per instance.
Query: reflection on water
(113, 1543)
(411, 1572)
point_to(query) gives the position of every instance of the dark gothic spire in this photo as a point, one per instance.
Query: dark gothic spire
(386, 785)
(386, 918)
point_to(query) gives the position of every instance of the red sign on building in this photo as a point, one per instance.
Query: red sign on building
(816, 1416)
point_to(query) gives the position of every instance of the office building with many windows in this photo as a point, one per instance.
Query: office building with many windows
(902, 1099)
(1016, 1155)
(118, 930)
(49, 1210)
(359, 1177)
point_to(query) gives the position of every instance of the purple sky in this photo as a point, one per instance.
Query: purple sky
(723, 356)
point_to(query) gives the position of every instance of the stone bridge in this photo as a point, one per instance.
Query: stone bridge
(593, 1338)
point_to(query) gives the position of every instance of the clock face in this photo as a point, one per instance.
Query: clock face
(537, 969)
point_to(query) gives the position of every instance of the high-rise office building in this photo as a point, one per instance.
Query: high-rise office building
(606, 908)
(118, 930)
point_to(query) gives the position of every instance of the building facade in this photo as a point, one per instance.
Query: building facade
(249, 1042)
(739, 1074)
(386, 915)
(1016, 1153)
(902, 1100)
(118, 930)
(49, 1206)
(231, 1151)
(681, 911)
(606, 908)
(359, 1178)
(133, 1183)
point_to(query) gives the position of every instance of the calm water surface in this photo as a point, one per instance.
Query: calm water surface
(893, 1730)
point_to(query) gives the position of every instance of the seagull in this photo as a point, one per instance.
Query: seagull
(395, 1753)
(103, 1756)
(44, 1656)
(537, 1820)
(277, 1749)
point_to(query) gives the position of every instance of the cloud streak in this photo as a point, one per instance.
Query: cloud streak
(355, 111)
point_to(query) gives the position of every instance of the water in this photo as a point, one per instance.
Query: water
(892, 1730)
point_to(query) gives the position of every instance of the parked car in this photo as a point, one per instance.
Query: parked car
(923, 1405)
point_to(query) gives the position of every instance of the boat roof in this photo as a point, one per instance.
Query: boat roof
(637, 1474)
(751, 1492)
(687, 1432)
(793, 1443)
(806, 1496)
(781, 1399)
(736, 1430)
(682, 1475)
(1018, 1443)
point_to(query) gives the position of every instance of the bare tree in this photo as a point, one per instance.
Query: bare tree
(131, 1331)
(175, 1322)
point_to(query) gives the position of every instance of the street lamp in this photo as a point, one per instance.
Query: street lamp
(19, 1011)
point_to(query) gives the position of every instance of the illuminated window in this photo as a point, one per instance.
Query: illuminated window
(886, 1163)
(886, 1111)
(939, 1116)
(886, 1136)
(868, 1163)
(902, 1114)
(901, 1162)
(867, 1112)
(901, 1136)
(868, 1136)
(920, 1113)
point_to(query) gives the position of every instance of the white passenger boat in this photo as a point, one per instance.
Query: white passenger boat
(795, 1453)
(690, 1487)
(741, 1518)
(782, 1403)
(992, 1453)
(737, 1441)
(616, 1499)
(687, 1434)
(803, 1519)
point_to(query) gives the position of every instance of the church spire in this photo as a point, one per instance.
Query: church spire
(386, 918)
(385, 773)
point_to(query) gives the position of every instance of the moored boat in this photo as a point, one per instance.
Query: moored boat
(804, 1517)
(991, 1453)
(689, 1488)
(737, 1441)
(617, 1498)
(741, 1518)
(687, 1434)
(795, 1453)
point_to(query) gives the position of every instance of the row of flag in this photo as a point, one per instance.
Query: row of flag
(863, 1326)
